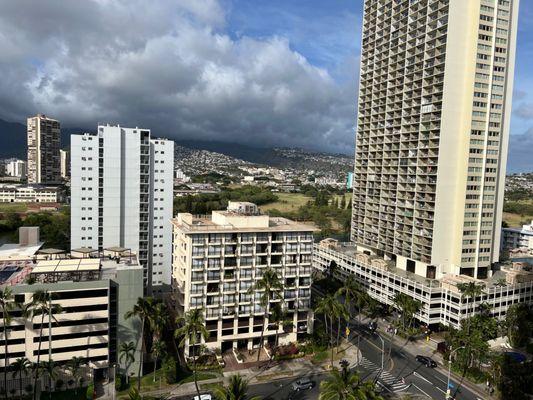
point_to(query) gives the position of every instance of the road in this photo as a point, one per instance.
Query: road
(417, 379)
(401, 374)
(279, 390)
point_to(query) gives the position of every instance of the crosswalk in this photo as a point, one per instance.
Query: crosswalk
(388, 380)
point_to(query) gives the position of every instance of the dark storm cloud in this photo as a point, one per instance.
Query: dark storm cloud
(170, 66)
(520, 147)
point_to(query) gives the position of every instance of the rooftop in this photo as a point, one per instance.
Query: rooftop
(228, 221)
(15, 251)
(36, 187)
(447, 280)
(63, 270)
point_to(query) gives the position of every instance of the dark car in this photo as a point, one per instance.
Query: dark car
(427, 361)
(303, 384)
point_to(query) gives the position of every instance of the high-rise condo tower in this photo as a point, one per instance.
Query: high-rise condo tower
(432, 132)
(121, 195)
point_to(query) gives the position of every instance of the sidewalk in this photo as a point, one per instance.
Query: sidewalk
(429, 349)
(254, 375)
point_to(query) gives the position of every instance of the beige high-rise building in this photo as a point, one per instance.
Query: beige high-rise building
(432, 132)
(218, 259)
(44, 144)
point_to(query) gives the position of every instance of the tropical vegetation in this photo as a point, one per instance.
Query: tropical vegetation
(269, 287)
(191, 332)
(346, 384)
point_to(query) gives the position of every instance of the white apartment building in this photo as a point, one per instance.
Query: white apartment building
(122, 194)
(11, 193)
(432, 132)
(16, 168)
(518, 238)
(442, 302)
(218, 258)
(64, 158)
(44, 143)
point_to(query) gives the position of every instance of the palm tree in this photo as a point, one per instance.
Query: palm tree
(330, 306)
(41, 304)
(470, 290)
(237, 389)
(408, 306)
(133, 394)
(49, 368)
(280, 318)
(191, 333)
(127, 353)
(158, 320)
(143, 310)
(74, 366)
(345, 384)
(350, 290)
(7, 304)
(271, 286)
(21, 366)
(341, 313)
(158, 351)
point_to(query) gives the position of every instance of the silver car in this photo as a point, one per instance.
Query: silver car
(303, 384)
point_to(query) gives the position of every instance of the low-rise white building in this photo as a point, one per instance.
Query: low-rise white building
(442, 301)
(16, 168)
(13, 193)
(218, 258)
(518, 238)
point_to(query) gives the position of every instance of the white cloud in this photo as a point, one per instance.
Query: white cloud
(170, 66)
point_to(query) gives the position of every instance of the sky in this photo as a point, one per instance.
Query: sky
(265, 73)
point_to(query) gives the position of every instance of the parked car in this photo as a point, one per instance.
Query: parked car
(303, 384)
(427, 361)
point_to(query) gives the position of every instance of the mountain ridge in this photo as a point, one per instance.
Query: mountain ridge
(13, 144)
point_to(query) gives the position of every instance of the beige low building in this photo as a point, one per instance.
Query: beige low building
(218, 258)
(94, 294)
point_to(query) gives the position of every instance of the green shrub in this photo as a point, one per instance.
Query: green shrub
(120, 383)
(169, 370)
(90, 392)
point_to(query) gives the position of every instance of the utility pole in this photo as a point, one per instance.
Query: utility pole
(448, 389)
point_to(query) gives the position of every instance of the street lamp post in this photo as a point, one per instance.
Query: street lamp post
(448, 390)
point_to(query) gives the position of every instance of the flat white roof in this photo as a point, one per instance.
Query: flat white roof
(14, 251)
(67, 265)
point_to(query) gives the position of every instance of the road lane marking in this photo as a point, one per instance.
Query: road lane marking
(421, 377)
(427, 395)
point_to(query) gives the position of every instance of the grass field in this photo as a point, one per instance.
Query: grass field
(515, 220)
(287, 202)
(292, 201)
(13, 207)
(522, 212)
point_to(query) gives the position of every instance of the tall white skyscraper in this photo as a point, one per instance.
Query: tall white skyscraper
(432, 132)
(122, 196)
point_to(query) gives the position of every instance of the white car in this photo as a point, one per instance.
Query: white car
(205, 396)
